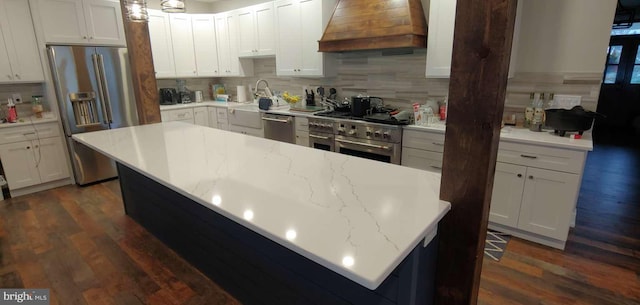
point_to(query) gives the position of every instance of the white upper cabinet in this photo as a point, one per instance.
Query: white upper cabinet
(442, 16)
(19, 57)
(256, 31)
(183, 49)
(205, 46)
(299, 27)
(227, 39)
(161, 44)
(82, 21)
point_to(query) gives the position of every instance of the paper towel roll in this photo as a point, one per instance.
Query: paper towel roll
(242, 94)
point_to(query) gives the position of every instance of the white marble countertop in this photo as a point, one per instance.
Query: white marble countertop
(30, 121)
(357, 217)
(525, 136)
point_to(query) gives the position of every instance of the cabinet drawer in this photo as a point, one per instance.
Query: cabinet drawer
(247, 130)
(28, 132)
(302, 124)
(423, 140)
(178, 115)
(422, 159)
(557, 159)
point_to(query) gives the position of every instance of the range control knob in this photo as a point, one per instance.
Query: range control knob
(313, 124)
(369, 133)
(352, 132)
(378, 133)
(341, 130)
(386, 135)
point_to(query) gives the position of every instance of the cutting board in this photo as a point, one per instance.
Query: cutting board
(307, 109)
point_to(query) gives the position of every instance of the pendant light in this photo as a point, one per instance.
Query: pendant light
(172, 6)
(137, 10)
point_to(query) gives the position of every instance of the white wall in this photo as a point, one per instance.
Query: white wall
(192, 6)
(566, 36)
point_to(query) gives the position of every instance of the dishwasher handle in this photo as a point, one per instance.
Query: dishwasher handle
(287, 121)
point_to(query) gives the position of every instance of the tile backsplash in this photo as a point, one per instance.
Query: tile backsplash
(27, 91)
(400, 80)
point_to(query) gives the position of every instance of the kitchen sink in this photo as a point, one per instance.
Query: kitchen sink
(246, 115)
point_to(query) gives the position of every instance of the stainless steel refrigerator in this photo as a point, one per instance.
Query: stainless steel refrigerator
(94, 91)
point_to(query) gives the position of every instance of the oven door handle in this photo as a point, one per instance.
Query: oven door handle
(319, 137)
(364, 144)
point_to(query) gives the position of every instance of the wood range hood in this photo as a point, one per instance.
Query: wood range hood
(375, 24)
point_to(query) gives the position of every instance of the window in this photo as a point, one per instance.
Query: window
(613, 61)
(635, 76)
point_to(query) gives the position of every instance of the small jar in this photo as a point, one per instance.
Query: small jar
(36, 106)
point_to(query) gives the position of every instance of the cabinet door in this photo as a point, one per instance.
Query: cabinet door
(311, 29)
(247, 32)
(288, 37)
(50, 159)
(161, 44)
(6, 74)
(547, 202)
(22, 48)
(183, 50)
(422, 159)
(204, 43)
(442, 16)
(104, 22)
(213, 118)
(302, 138)
(19, 164)
(508, 185)
(63, 21)
(265, 29)
(222, 35)
(234, 63)
(201, 116)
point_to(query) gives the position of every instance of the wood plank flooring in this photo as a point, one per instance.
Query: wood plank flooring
(78, 242)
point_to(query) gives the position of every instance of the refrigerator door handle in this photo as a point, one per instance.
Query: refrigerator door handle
(103, 102)
(59, 96)
(105, 87)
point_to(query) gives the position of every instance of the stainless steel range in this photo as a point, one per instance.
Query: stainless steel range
(374, 141)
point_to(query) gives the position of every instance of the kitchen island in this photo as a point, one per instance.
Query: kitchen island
(273, 222)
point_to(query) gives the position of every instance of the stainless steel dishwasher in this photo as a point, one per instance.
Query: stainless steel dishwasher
(279, 127)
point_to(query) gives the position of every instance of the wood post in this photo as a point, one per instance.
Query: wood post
(142, 71)
(477, 89)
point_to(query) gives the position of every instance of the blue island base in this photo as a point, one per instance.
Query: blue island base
(255, 269)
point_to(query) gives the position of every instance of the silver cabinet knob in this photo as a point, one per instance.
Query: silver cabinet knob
(519, 175)
(531, 177)
(18, 76)
(9, 76)
(84, 37)
(91, 37)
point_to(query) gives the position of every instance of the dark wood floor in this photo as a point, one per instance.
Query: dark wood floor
(77, 242)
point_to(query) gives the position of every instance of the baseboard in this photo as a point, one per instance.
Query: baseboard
(39, 187)
(554, 243)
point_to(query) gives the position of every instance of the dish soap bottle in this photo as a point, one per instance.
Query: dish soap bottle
(12, 115)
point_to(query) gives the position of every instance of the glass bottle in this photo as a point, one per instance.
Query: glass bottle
(36, 106)
(528, 111)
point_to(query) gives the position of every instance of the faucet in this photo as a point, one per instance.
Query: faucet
(266, 89)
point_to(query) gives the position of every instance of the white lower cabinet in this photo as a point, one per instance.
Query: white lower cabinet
(201, 116)
(182, 115)
(32, 160)
(302, 131)
(535, 188)
(256, 132)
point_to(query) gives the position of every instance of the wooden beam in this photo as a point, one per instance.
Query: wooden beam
(477, 89)
(142, 71)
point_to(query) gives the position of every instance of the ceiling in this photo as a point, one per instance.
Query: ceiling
(628, 11)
